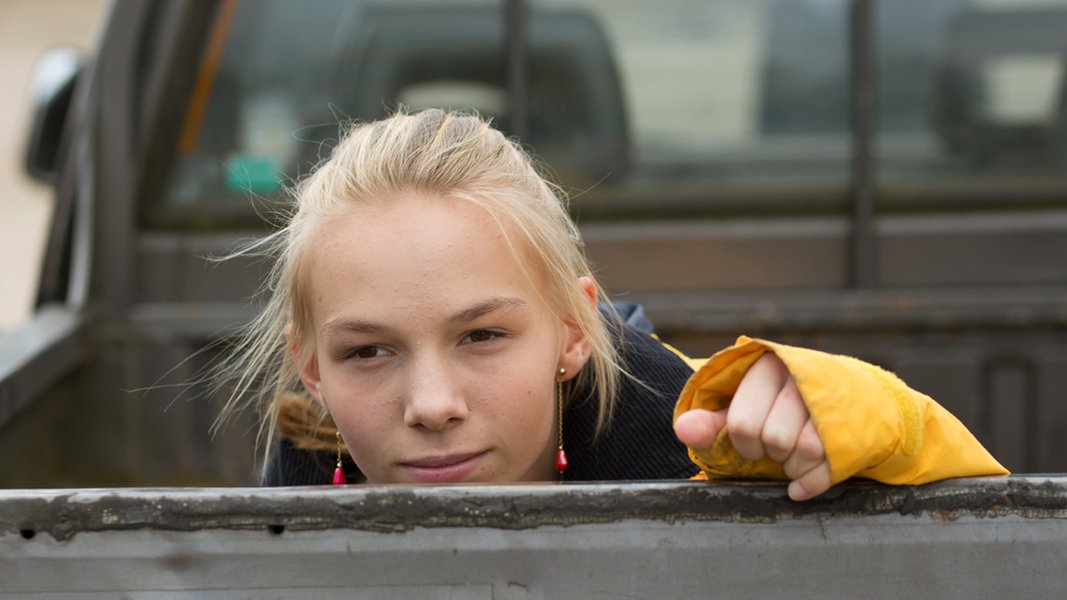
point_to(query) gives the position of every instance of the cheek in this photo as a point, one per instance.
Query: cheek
(529, 432)
(530, 392)
(363, 414)
(526, 408)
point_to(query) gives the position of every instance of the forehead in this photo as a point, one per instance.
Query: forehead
(408, 222)
(413, 251)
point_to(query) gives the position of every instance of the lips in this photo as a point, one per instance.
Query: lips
(445, 468)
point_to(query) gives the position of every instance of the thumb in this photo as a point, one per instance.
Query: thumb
(698, 428)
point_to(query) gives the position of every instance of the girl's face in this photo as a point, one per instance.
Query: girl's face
(434, 354)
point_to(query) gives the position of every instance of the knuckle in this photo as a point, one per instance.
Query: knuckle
(809, 447)
(748, 446)
(742, 427)
(791, 394)
(776, 441)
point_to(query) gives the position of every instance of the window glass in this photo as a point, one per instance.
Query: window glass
(635, 105)
(279, 78)
(725, 104)
(977, 96)
(665, 107)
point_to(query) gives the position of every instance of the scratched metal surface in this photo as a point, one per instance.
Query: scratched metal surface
(974, 538)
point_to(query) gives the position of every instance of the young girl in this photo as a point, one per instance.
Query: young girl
(432, 313)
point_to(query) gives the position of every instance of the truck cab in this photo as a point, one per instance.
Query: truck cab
(879, 179)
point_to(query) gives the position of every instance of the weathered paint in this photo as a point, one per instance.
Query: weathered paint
(666, 539)
(63, 514)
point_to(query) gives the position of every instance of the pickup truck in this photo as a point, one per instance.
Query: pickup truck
(879, 179)
(883, 180)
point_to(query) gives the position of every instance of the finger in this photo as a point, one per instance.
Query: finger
(784, 422)
(807, 453)
(752, 402)
(811, 484)
(698, 428)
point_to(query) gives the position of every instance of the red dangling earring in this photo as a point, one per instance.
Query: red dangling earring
(561, 455)
(339, 473)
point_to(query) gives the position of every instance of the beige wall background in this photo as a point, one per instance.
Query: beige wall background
(27, 29)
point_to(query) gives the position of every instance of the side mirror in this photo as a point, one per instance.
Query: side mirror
(52, 89)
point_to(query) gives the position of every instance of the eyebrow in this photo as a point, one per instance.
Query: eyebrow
(472, 313)
(502, 303)
(337, 326)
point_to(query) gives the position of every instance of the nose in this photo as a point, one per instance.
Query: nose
(434, 397)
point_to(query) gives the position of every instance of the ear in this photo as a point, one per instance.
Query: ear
(577, 350)
(309, 373)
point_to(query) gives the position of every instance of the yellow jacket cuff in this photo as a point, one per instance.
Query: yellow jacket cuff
(871, 424)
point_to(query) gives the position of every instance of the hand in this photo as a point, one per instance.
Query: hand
(767, 416)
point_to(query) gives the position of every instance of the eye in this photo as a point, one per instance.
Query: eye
(366, 352)
(482, 336)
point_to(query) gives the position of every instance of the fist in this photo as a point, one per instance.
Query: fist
(766, 417)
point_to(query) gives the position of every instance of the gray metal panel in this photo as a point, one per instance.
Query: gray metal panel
(727, 254)
(964, 248)
(1050, 422)
(740, 254)
(907, 311)
(184, 267)
(1011, 404)
(37, 354)
(951, 372)
(977, 538)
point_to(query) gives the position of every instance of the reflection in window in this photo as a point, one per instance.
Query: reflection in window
(727, 103)
(488, 100)
(986, 88)
(1021, 90)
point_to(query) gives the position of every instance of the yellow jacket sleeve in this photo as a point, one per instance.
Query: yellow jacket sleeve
(871, 424)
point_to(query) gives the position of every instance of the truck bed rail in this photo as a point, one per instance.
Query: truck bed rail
(974, 538)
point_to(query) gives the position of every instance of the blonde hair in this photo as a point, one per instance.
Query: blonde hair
(434, 151)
